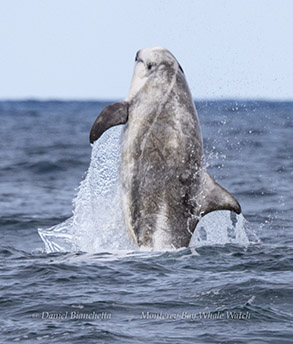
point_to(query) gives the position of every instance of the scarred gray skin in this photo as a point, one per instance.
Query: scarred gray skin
(162, 157)
(165, 188)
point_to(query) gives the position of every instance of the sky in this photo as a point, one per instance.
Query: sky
(85, 49)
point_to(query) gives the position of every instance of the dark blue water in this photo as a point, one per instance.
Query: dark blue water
(214, 294)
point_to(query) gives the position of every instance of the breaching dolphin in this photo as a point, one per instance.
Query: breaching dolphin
(164, 184)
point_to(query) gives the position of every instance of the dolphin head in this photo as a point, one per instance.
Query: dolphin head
(152, 63)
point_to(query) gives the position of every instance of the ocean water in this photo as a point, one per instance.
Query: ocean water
(80, 280)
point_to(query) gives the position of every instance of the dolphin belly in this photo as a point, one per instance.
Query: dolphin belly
(158, 174)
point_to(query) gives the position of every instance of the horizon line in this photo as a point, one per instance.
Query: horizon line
(108, 100)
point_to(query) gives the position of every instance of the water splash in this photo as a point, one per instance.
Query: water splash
(97, 223)
(221, 228)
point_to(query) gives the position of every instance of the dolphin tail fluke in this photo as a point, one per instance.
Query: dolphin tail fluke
(112, 115)
(215, 197)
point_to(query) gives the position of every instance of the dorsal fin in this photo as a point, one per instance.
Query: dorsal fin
(215, 197)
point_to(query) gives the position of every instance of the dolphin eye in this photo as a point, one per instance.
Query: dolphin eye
(149, 66)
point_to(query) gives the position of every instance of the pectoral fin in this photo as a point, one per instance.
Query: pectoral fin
(112, 115)
(215, 197)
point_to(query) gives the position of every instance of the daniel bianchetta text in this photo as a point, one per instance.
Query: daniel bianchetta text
(227, 315)
(74, 315)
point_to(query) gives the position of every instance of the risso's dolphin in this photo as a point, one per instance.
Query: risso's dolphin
(164, 184)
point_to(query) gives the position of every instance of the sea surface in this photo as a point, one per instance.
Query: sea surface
(232, 285)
